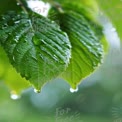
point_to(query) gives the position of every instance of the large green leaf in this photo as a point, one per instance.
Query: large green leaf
(86, 36)
(87, 50)
(36, 46)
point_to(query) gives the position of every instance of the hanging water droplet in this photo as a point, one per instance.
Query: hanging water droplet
(37, 91)
(9, 33)
(73, 90)
(14, 95)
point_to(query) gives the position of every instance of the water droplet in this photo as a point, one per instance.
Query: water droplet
(9, 33)
(16, 22)
(19, 4)
(37, 91)
(64, 33)
(15, 96)
(52, 21)
(55, 57)
(73, 90)
(13, 58)
(36, 40)
(16, 40)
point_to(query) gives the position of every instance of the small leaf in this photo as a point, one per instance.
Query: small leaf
(87, 50)
(36, 46)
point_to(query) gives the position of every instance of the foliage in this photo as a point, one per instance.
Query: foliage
(67, 43)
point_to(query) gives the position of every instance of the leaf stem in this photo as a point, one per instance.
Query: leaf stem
(23, 6)
(55, 5)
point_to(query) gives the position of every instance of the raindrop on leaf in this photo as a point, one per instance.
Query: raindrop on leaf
(13, 58)
(16, 22)
(36, 41)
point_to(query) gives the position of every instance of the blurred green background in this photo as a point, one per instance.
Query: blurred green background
(99, 98)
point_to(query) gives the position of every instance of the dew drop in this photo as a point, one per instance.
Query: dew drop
(18, 3)
(55, 57)
(16, 40)
(64, 33)
(52, 21)
(73, 90)
(15, 96)
(13, 58)
(37, 91)
(36, 40)
(16, 22)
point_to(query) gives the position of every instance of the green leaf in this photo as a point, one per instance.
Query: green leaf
(36, 46)
(86, 39)
(87, 50)
(9, 75)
